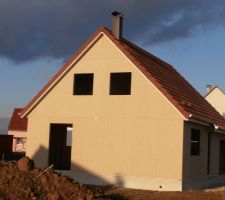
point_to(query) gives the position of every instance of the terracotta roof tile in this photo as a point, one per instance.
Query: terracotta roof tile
(171, 84)
(176, 87)
(16, 122)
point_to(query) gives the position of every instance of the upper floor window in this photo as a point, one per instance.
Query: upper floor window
(83, 84)
(195, 142)
(120, 83)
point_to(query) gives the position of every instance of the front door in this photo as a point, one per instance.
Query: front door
(222, 157)
(59, 150)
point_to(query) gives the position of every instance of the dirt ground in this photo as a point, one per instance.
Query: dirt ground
(20, 185)
(131, 194)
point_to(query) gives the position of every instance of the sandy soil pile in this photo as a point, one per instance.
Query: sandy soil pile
(17, 182)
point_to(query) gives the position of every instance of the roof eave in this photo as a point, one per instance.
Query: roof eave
(218, 129)
(17, 130)
(204, 122)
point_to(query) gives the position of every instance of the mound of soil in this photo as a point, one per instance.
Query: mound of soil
(18, 181)
(18, 184)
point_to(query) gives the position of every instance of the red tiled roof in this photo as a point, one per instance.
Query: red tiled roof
(169, 82)
(16, 122)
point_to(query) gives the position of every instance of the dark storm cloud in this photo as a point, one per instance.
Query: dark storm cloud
(32, 29)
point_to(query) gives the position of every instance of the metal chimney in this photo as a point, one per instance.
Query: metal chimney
(117, 24)
(208, 88)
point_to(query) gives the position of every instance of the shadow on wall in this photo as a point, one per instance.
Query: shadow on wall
(79, 173)
(119, 180)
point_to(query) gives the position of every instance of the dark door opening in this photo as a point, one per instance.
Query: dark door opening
(59, 146)
(222, 157)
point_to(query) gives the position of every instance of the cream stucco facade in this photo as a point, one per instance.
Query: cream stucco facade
(136, 141)
(217, 99)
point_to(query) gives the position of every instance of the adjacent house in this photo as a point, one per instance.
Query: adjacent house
(18, 128)
(116, 114)
(216, 96)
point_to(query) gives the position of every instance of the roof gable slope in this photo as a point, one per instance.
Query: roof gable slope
(181, 93)
(213, 90)
(168, 81)
(61, 73)
(216, 97)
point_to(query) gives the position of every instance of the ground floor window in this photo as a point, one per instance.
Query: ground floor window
(20, 141)
(195, 142)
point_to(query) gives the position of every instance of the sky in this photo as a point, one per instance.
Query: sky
(37, 37)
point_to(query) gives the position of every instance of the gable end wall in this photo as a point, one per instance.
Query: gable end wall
(132, 140)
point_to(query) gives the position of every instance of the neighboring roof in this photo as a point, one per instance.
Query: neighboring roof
(216, 87)
(165, 78)
(16, 122)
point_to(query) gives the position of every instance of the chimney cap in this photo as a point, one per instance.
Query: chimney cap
(209, 88)
(116, 13)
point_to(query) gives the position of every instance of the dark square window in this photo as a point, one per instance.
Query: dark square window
(83, 84)
(120, 83)
(195, 142)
